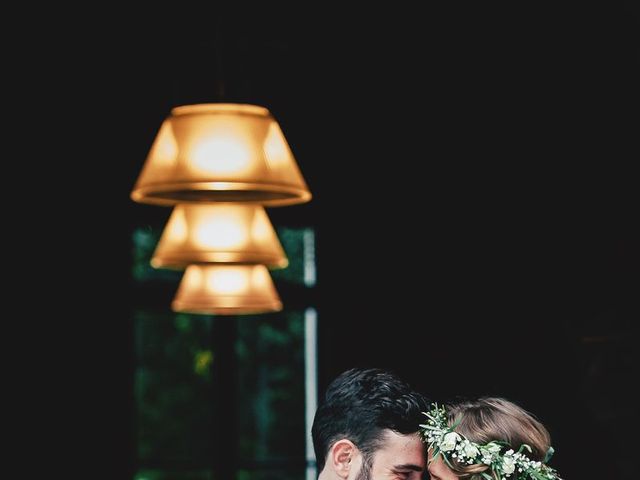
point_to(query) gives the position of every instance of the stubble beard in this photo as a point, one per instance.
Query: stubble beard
(365, 470)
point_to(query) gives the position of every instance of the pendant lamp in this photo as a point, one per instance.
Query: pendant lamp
(218, 233)
(220, 152)
(226, 290)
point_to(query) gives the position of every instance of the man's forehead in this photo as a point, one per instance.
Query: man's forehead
(402, 449)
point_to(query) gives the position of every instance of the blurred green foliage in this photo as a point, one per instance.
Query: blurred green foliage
(270, 386)
(173, 388)
(168, 475)
(175, 391)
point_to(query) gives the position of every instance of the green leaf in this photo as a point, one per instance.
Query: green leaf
(523, 446)
(537, 475)
(548, 455)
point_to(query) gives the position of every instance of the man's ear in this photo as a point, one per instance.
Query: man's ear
(342, 457)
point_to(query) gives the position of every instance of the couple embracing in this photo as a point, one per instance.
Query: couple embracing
(372, 426)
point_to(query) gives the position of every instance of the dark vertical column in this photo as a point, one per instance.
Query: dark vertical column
(225, 435)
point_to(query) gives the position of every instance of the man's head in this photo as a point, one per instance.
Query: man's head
(366, 428)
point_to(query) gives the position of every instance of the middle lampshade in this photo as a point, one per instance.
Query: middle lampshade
(218, 233)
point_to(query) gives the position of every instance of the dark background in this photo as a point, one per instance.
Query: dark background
(474, 201)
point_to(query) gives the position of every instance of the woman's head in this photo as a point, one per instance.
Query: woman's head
(482, 422)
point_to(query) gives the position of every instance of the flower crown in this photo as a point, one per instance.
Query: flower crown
(444, 441)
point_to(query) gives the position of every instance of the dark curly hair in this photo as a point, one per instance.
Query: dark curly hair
(359, 405)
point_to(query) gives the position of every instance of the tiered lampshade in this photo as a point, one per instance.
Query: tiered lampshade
(220, 153)
(220, 165)
(226, 290)
(218, 233)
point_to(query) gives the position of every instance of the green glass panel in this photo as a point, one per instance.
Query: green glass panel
(144, 244)
(169, 475)
(173, 388)
(292, 240)
(271, 395)
(176, 398)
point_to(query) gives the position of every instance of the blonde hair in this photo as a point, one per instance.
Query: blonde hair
(493, 418)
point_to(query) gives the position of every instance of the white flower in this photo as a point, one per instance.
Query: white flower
(449, 441)
(508, 464)
(493, 447)
(470, 450)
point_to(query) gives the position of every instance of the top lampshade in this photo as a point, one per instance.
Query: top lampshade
(220, 152)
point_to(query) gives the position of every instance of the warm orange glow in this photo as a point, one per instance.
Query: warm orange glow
(226, 290)
(275, 148)
(227, 281)
(179, 231)
(220, 228)
(165, 148)
(220, 152)
(222, 232)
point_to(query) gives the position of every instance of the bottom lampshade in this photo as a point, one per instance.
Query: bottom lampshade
(226, 290)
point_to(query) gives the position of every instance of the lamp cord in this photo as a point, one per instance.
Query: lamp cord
(220, 86)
